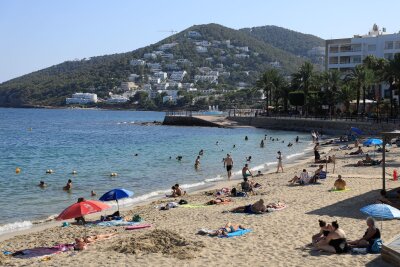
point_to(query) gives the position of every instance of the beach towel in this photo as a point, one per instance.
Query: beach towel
(194, 206)
(336, 190)
(111, 223)
(42, 251)
(236, 233)
(138, 226)
(276, 209)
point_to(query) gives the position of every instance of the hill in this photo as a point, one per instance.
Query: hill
(234, 56)
(290, 41)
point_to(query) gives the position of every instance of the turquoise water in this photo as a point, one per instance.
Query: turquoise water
(96, 143)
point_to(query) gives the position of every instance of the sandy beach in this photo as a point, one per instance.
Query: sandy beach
(278, 238)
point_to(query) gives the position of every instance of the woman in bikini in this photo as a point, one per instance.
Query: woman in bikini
(335, 242)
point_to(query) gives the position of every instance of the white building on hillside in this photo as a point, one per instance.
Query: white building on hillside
(150, 56)
(201, 49)
(133, 77)
(164, 47)
(82, 98)
(206, 78)
(178, 75)
(154, 80)
(137, 62)
(193, 34)
(127, 86)
(162, 75)
(117, 99)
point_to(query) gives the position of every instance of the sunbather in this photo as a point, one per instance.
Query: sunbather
(339, 184)
(81, 243)
(256, 208)
(228, 228)
(323, 232)
(368, 161)
(359, 151)
(317, 174)
(219, 201)
(369, 237)
(335, 242)
(302, 179)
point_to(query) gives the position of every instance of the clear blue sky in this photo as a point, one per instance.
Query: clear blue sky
(39, 33)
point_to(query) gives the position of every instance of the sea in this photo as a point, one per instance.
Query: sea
(96, 143)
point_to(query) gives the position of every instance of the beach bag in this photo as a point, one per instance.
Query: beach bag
(183, 202)
(376, 246)
(136, 218)
(322, 175)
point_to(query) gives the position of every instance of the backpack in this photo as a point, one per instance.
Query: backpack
(182, 202)
(234, 192)
(376, 246)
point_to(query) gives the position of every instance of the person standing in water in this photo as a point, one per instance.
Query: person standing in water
(280, 165)
(262, 144)
(297, 139)
(228, 162)
(197, 162)
(246, 138)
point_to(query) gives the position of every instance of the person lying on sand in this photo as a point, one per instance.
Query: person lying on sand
(369, 237)
(323, 232)
(81, 243)
(339, 184)
(359, 151)
(329, 160)
(335, 241)
(218, 201)
(256, 208)
(259, 174)
(368, 161)
(228, 228)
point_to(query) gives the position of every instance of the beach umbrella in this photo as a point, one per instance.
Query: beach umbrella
(82, 208)
(356, 130)
(116, 194)
(373, 141)
(381, 211)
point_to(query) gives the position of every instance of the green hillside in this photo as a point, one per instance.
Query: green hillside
(102, 74)
(290, 41)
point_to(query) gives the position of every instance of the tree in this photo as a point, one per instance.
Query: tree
(331, 82)
(296, 98)
(272, 82)
(359, 77)
(303, 80)
(346, 95)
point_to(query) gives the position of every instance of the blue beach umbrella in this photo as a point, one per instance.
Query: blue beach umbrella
(356, 130)
(373, 141)
(116, 194)
(381, 211)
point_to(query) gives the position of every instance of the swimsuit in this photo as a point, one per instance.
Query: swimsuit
(247, 209)
(339, 244)
(375, 236)
(228, 168)
(325, 232)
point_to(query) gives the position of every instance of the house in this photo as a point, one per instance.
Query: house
(172, 66)
(160, 74)
(172, 95)
(241, 56)
(225, 74)
(154, 67)
(82, 98)
(187, 85)
(178, 75)
(154, 80)
(159, 53)
(133, 77)
(209, 59)
(127, 86)
(117, 99)
(243, 48)
(193, 34)
(137, 62)
(203, 43)
(146, 87)
(275, 64)
(201, 49)
(183, 61)
(150, 56)
(168, 56)
(206, 78)
(164, 47)
(204, 70)
(175, 84)
(162, 86)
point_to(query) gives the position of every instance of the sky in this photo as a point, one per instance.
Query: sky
(35, 34)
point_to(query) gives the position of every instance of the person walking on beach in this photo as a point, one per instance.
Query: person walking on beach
(280, 165)
(316, 152)
(228, 162)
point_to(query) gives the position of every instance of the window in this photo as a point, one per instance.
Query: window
(372, 47)
(389, 45)
(388, 56)
(356, 59)
(397, 45)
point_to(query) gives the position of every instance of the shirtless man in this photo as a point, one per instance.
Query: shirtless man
(228, 162)
(246, 171)
(197, 162)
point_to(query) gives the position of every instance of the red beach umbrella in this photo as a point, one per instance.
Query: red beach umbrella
(82, 208)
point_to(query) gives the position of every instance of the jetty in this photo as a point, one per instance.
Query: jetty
(201, 120)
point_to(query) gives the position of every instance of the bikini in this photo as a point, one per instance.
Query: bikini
(339, 244)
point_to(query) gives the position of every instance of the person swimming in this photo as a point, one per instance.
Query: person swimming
(246, 138)
(201, 152)
(248, 159)
(68, 187)
(179, 158)
(42, 184)
(93, 193)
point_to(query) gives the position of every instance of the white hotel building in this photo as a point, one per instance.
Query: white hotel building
(344, 54)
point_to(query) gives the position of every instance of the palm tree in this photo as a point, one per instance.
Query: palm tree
(331, 82)
(303, 80)
(346, 95)
(271, 82)
(392, 72)
(359, 76)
